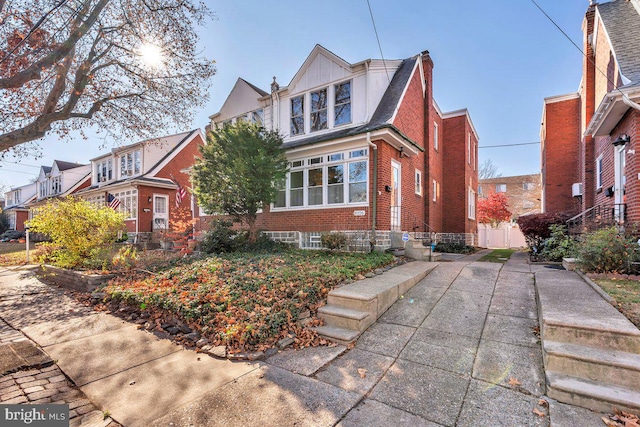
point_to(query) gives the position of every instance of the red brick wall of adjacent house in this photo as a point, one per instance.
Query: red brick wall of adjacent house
(630, 125)
(455, 189)
(182, 161)
(560, 149)
(433, 157)
(587, 93)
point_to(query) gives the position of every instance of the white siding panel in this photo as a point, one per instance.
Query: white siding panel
(241, 100)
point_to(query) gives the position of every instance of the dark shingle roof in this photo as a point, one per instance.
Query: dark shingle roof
(63, 166)
(46, 169)
(381, 117)
(622, 22)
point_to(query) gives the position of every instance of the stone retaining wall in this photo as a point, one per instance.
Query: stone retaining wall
(71, 279)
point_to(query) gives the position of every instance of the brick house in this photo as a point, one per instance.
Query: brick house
(142, 180)
(16, 207)
(590, 138)
(524, 192)
(367, 146)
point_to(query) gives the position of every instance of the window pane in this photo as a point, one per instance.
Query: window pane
(315, 177)
(315, 187)
(137, 162)
(357, 172)
(336, 157)
(297, 115)
(358, 153)
(129, 163)
(257, 116)
(343, 103)
(281, 199)
(358, 192)
(296, 179)
(343, 114)
(315, 196)
(296, 193)
(319, 110)
(335, 174)
(335, 193)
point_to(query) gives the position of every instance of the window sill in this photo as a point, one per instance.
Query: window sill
(320, 207)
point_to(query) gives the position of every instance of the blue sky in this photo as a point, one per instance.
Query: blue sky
(498, 58)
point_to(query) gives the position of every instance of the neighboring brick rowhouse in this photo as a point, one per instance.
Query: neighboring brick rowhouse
(560, 146)
(456, 185)
(524, 192)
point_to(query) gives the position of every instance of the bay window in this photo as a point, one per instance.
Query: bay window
(328, 180)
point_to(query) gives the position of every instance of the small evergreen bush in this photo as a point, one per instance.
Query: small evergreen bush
(559, 245)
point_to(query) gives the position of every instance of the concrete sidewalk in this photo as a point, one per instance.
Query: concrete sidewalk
(459, 349)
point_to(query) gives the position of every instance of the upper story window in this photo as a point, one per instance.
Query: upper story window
(297, 115)
(469, 148)
(528, 186)
(329, 107)
(501, 188)
(130, 163)
(319, 110)
(56, 185)
(14, 198)
(342, 109)
(104, 170)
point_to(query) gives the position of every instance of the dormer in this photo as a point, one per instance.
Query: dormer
(328, 93)
(246, 102)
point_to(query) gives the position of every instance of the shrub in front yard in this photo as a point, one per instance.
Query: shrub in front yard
(333, 241)
(246, 301)
(537, 228)
(454, 248)
(559, 245)
(81, 234)
(607, 250)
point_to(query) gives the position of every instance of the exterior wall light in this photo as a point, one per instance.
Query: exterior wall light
(622, 139)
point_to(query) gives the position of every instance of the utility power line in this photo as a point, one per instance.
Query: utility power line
(509, 145)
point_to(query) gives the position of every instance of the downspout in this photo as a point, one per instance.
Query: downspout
(374, 204)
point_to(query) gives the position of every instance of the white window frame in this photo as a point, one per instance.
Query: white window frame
(324, 162)
(435, 191)
(320, 110)
(469, 148)
(599, 174)
(418, 182)
(472, 204)
(499, 188)
(333, 115)
(135, 158)
(128, 203)
(303, 115)
(435, 136)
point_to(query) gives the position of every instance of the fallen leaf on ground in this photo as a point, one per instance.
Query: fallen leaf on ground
(538, 412)
(514, 382)
(543, 403)
(362, 372)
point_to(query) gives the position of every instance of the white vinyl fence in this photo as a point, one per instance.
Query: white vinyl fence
(506, 236)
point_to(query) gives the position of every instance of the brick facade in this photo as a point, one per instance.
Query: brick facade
(578, 130)
(524, 192)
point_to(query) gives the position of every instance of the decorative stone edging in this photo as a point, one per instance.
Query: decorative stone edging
(72, 279)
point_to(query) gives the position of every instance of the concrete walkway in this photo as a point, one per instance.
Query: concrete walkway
(459, 349)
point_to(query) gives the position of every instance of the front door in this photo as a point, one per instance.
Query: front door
(160, 212)
(396, 197)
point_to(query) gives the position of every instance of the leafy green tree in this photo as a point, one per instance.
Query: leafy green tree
(79, 231)
(235, 176)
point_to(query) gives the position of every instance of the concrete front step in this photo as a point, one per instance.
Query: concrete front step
(416, 250)
(354, 307)
(336, 334)
(345, 317)
(626, 340)
(593, 395)
(595, 364)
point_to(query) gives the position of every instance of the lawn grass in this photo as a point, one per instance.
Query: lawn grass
(246, 301)
(12, 254)
(627, 295)
(498, 255)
